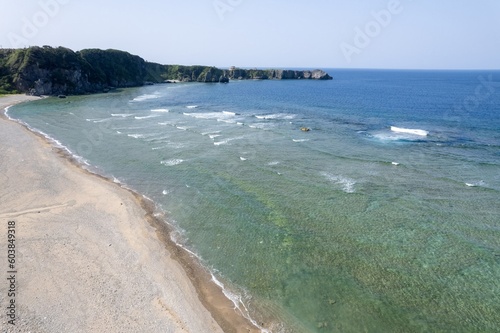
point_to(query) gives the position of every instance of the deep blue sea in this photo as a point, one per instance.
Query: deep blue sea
(384, 217)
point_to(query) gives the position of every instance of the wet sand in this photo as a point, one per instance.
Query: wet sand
(90, 255)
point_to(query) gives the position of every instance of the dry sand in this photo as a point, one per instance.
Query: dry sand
(89, 256)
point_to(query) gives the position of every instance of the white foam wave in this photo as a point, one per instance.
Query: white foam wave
(227, 121)
(191, 106)
(176, 145)
(393, 136)
(52, 140)
(242, 158)
(476, 184)
(347, 184)
(213, 136)
(225, 142)
(211, 132)
(147, 117)
(122, 115)
(220, 116)
(6, 112)
(158, 148)
(300, 140)
(101, 120)
(157, 137)
(234, 298)
(273, 163)
(419, 132)
(118, 132)
(160, 110)
(238, 303)
(263, 126)
(166, 123)
(145, 97)
(172, 162)
(136, 136)
(276, 116)
(128, 128)
(164, 192)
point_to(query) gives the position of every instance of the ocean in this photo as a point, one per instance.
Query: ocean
(383, 217)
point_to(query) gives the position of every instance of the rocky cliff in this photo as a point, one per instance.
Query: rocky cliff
(60, 71)
(55, 71)
(274, 74)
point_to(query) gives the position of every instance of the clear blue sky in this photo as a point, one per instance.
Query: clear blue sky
(417, 34)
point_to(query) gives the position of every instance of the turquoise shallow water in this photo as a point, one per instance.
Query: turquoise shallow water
(351, 227)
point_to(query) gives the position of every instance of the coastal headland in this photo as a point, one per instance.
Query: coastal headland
(61, 71)
(86, 255)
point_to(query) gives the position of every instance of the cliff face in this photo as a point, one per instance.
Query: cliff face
(60, 71)
(161, 73)
(54, 71)
(280, 74)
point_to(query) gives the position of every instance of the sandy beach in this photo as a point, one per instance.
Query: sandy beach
(89, 255)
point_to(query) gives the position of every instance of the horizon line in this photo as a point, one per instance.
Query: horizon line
(286, 67)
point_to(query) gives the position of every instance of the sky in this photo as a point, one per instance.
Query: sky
(388, 34)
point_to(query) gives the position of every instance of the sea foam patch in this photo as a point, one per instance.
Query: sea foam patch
(419, 132)
(346, 184)
(394, 136)
(211, 115)
(398, 134)
(172, 162)
(184, 128)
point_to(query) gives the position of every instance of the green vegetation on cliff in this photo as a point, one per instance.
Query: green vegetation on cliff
(184, 73)
(113, 67)
(7, 58)
(47, 70)
(53, 71)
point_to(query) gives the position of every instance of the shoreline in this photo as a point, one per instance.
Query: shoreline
(208, 291)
